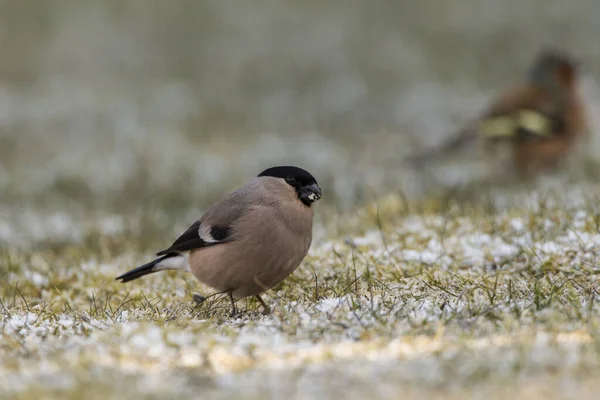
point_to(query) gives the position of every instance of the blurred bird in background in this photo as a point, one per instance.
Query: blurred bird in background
(530, 127)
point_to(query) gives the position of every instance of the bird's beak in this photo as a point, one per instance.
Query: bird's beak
(310, 193)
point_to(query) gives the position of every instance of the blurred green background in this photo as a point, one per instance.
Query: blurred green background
(120, 104)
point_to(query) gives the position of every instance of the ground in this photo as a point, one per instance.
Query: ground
(122, 121)
(441, 299)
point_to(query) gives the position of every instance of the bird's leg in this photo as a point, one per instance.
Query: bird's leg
(198, 298)
(233, 309)
(266, 308)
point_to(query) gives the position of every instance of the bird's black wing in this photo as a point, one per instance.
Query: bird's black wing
(197, 236)
(218, 224)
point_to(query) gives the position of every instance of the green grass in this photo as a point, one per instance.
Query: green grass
(394, 299)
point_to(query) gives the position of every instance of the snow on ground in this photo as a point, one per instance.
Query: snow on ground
(416, 305)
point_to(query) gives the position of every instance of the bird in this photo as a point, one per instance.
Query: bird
(535, 123)
(248, 241)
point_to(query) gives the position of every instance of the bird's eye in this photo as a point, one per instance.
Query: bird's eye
(290, 179)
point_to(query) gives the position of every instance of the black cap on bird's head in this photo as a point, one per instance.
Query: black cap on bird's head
(552, 66)
(305, 184)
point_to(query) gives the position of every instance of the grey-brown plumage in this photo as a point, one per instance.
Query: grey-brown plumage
(250, 240)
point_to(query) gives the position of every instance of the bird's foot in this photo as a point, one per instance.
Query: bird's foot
(266, 308)
(234, 311)
(266, 311)
(198, 298)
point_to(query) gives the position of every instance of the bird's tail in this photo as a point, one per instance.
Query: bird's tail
(173, 261)
(448, 147)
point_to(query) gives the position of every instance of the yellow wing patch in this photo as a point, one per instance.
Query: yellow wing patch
(498, 127)
(535, 122)
(508, 126)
